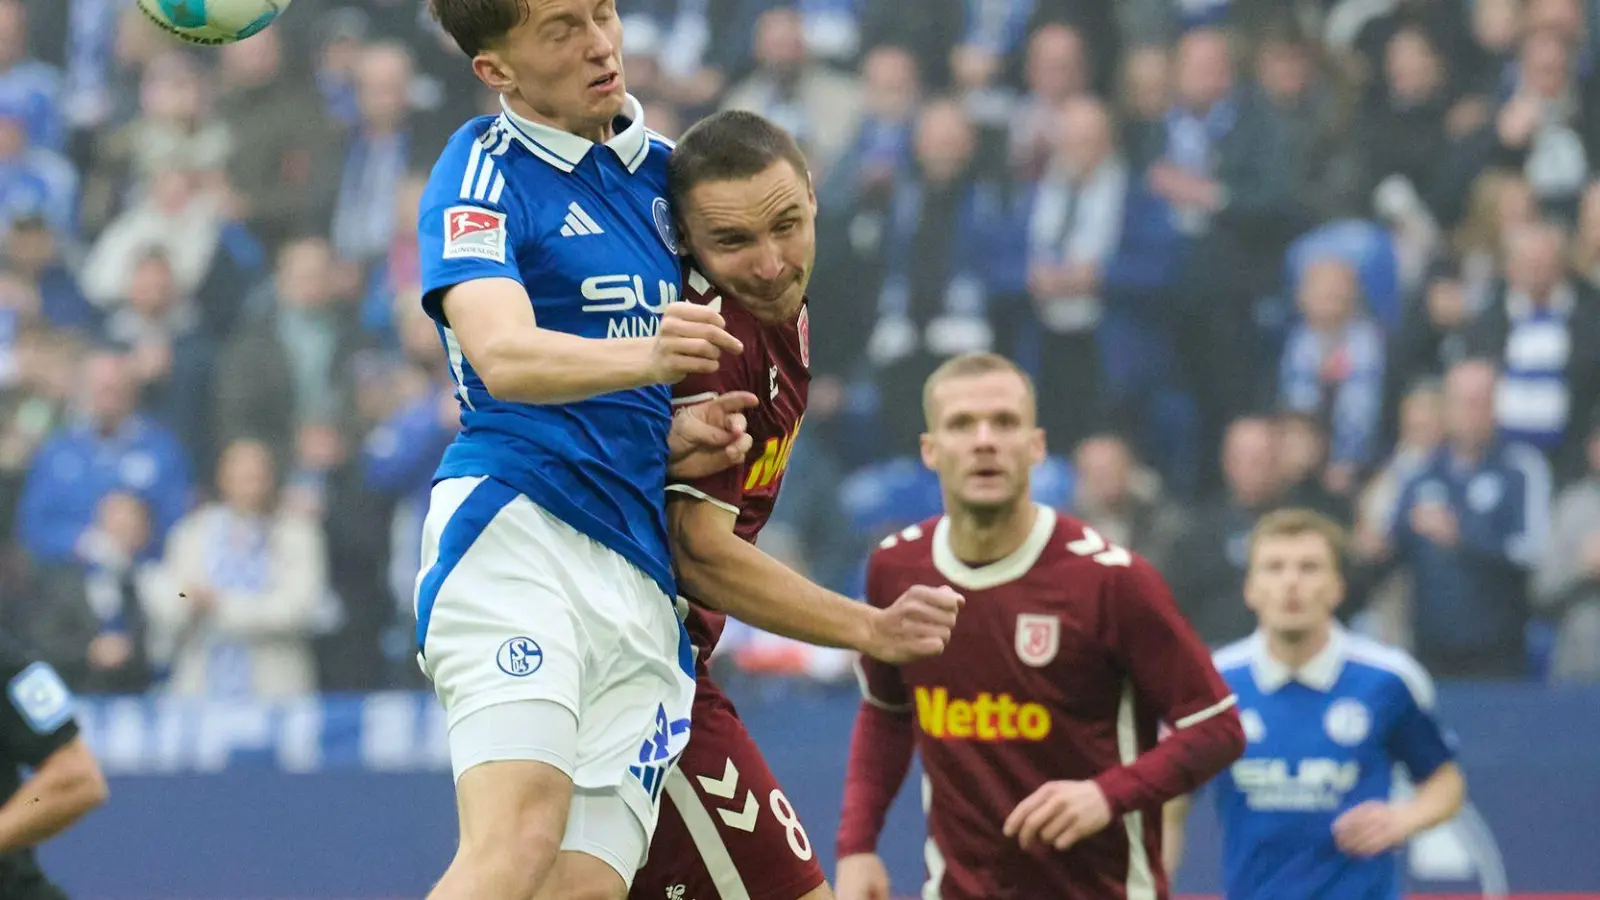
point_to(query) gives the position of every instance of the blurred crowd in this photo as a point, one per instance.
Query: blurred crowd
(1335, 253)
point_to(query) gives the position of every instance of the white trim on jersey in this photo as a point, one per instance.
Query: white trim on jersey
(692, 399)
(866, 692)
(932, 856)
(1208, 712)
(1141, 882)
(702, 495)
(458, 362)
(467, 177)
(707, 842)
(1000, 572)
(668, 142)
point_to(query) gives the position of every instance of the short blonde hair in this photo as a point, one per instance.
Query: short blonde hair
(971, 365)
(1297, 521)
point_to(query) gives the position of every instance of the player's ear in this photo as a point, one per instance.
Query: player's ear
(811, 191)
(493, 71)
(926, 445)
(1038, 446)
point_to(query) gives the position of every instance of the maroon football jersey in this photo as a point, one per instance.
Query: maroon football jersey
(776, 367)
(1067, 656)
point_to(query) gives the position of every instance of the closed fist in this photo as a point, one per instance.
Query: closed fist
(917, 625)
(690, 339)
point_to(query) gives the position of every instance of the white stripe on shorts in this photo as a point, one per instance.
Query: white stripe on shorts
(713, 852)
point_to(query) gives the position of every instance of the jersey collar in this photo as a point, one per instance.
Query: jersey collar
(1319, 673)
(1001, 571)
(565, 150)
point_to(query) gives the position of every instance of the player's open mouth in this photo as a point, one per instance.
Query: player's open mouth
(606, 82)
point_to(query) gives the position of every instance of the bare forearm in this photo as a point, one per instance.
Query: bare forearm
(1436, 800)
(46, 805)
(544, 366)
(734, 577)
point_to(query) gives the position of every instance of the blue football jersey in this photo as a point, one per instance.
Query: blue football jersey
(1319, 741)
(586, 229)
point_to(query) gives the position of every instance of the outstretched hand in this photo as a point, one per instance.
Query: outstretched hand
(709, 437)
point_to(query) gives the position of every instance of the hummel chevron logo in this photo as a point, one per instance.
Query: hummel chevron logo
(578, 223)
(1095, 546)
(745, 819)
(724, 788)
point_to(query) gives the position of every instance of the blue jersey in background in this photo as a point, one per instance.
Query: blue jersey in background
(1319, 741)
(586, 229)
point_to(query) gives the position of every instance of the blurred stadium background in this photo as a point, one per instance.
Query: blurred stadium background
(1240, 243)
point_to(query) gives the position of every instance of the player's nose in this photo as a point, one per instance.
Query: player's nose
(769, 265)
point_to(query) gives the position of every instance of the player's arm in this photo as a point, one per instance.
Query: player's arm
(37, 728)
(469, 242)
(1172, 670)
(494, 322)
(1419, 742)
(728, 574)
(63, 789)
(881, 747)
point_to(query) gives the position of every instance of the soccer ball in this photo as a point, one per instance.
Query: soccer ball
(212, 21)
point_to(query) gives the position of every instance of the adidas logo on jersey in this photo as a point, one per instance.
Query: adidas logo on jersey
(579, 223)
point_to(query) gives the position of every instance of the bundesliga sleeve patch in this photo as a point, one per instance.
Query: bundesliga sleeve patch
(42, 698)
(471, 232)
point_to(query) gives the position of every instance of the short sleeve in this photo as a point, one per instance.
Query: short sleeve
(37, 717)
(1418, 740)
(881, 683)
(724, 488)
(465, 230)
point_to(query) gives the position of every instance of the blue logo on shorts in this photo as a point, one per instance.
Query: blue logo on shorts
(519, 657)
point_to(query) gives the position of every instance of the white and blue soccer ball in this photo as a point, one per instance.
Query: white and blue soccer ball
(212, 21)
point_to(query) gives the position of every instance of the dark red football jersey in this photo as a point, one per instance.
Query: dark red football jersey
(1067, 657)
(776, 367)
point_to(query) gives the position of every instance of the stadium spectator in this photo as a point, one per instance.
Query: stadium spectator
(1122, 500)
(250, 576)
(32, 254)
(1071, 227)
(1333, 366)
(1566, 582)
(88, 621)
(27, 84)
(927, 264)
(113, 447)
(1544, 334)
(172, 360)
(1056, 70)
(380, 150)
(34, 181)
(32, 409)
(178, 216)
(282, 141)
(819, 106)
(173, 130)
(1432, 336)
(283, 368)
(1306, 477)
(1208, 564)
(1470, 526)
(1226, 169)
(1544, 129)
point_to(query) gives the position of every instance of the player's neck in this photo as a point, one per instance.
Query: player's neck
(1295, 649)
(594, 132)
(979, 537)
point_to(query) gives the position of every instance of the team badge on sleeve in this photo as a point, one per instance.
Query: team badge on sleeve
(1038, 639)
(473, 232)
(42, 698)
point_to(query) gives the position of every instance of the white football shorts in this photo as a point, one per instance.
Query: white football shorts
(515, 605)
